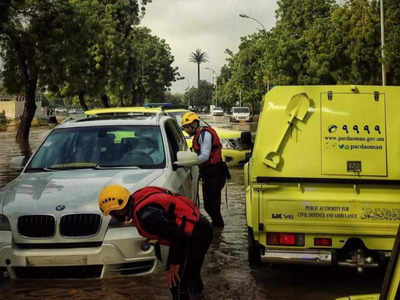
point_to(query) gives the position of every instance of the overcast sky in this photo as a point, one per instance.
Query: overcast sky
(211, 25)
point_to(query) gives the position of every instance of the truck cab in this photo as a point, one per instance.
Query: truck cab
(322, 184)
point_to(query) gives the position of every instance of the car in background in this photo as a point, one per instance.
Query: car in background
(236, 144)
(50, 222)
(217, 111)
(240, 114)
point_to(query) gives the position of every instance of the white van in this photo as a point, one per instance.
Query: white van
(240, 114)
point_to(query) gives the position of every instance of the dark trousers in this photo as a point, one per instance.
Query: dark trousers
(191, 282)
(214, 179)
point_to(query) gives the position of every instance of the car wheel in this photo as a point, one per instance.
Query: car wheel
(253, 249)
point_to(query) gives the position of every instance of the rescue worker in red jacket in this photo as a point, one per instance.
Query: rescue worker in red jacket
(171, 219)
(213, 171)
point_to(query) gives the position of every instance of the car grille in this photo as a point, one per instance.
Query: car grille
(58, 245)
(36, 226)
(66, 272)
(79, 224)
(70, 225)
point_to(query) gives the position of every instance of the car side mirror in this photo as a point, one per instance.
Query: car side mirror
(186, 159)
(17, 162)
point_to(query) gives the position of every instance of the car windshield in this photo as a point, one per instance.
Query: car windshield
(179, 114)
(218, 108)
(240, 110)
(97, 147)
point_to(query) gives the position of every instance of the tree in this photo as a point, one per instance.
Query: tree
(30, 42)
(45, 43)
(198, 57)
(199, 96)
(392, 41)
(4, 7)
(357, 42)
(148, 72)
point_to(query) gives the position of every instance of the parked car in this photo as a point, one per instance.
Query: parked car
(240, 114)
(217, 111)
(236, 144)
(50, 223)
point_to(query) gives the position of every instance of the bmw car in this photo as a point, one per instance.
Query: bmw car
(50, 223)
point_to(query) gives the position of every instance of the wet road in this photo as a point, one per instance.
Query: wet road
(226, 273)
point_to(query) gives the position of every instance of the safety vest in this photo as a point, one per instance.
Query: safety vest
(216, 146)
(177, 207)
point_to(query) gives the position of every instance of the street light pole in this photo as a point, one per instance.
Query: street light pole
(215, 81)
(383, 45)
(264, 31)
(254, 19)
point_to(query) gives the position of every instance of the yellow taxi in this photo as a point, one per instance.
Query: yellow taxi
(236, 144)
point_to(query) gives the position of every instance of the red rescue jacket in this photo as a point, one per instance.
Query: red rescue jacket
(182, 209)
(216, 146)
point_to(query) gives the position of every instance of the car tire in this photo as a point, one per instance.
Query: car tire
(253, 250)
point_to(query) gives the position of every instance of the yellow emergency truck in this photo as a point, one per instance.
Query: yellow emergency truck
(323, 182)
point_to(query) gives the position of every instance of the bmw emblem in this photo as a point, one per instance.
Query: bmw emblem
(60, 207)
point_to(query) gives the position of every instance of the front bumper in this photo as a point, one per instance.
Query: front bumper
(122, 253)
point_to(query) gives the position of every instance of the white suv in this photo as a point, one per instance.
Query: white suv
(240, 114)
(50, 223)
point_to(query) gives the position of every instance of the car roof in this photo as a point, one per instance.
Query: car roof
(128, 109)
(153, 119)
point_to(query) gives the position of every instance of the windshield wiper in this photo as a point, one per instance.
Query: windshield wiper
(40, 170)
(104, 166)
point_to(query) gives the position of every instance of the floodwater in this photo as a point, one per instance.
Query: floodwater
(226, 273)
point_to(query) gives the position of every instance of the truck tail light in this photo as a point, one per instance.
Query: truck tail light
(325, 242)
(285, 239)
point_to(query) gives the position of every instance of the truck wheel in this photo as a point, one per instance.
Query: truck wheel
(253, 250)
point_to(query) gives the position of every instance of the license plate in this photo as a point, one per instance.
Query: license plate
(56, 260)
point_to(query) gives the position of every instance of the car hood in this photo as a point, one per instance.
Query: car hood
(222, 134)
(228, 133)
(76, 190)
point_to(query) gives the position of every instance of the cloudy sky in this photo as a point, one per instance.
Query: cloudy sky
(211, 25)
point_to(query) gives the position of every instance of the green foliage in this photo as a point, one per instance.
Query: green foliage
(198, 57)
(175, 98)
(392, 41)
(199, 96)
(314, 42)
(4, 8)
(357, 33)
(83, 50)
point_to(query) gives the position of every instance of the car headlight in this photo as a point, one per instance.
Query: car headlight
(4, 223)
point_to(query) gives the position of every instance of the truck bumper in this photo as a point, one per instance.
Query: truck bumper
(313, 257)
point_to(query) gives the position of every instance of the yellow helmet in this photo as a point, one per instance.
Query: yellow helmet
(189, 117)
(113, 197)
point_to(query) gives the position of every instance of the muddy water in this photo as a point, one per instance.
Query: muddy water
(226, 273)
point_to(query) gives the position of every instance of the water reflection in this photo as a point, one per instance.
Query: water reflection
(9, 148)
